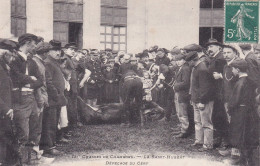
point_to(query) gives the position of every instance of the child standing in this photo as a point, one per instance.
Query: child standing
(147, 85)
(243, 124)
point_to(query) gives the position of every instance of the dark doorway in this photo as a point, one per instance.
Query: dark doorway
(75, 34)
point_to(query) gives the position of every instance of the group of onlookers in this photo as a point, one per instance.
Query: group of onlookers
(214, 90)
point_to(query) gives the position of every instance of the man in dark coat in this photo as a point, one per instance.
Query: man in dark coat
(6, 108)
(56, 98)
(201, 97)
(26, 80)
(182, 97)
(96, 79)
(71, 95)
(161, 57)
(219, 118)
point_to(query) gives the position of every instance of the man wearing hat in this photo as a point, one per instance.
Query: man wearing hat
(253, 65)
(161, 57)
(243, 124)
(56, 99)
(26, 80)
(201, 98)
(96, 80)
(7, 48)
(216, 65)
(181, 88)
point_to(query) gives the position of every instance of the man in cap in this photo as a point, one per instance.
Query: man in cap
(70, 68)
(26, 80)
(96, 80)
(161, 57)
(56, 99)
(253, 65)
(181, 88)
(7, 48)
(243, 124)
(216, 65)
(41, 95)
(201, 97)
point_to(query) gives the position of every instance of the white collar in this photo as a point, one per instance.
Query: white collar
(23, 55)
(243, 75)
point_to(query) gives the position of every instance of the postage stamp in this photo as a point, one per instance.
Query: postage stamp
(241, 21)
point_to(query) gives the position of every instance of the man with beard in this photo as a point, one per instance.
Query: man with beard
(7, 48)
(216, 65)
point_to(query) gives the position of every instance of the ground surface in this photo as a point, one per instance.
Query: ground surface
(103, 144)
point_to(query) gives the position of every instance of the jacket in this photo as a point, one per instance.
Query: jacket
(5, 89)
(55, 82)
(253, 69)
(182, 83)
(20, 79)
(216, 64)
(201, 83)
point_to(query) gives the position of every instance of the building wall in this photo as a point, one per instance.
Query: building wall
(91, 24)
(162, 23)
(5, 19)
(40, 18)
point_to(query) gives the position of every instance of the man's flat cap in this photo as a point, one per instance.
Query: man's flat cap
(27, 37)
(179, 57)
(175, 51)
(241, 64)
(230, 46)
(193, 47)
(153, 48)
(71, 45)
(245, 46)
(8, 44)
(161, 50)
(108, 49)
(55, 45)
(43, 48)
(191, 55)
(212, 41)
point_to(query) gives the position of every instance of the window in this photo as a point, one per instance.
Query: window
(206, 32)
(18, 17)
(205, 3)
(113, 24)
(208, 3)
(113, 37)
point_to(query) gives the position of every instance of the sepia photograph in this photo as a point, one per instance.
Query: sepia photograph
(129, 83)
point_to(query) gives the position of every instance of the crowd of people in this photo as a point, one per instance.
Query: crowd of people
(214, 90)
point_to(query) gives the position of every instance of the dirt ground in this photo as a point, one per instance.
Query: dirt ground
(108, 143)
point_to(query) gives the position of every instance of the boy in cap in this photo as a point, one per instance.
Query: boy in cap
(181, 88)
(243, 128)
(26, 80)
(7, 47)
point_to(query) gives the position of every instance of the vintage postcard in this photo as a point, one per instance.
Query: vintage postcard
(129, 82)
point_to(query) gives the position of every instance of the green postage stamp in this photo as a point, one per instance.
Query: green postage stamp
(241, 21)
